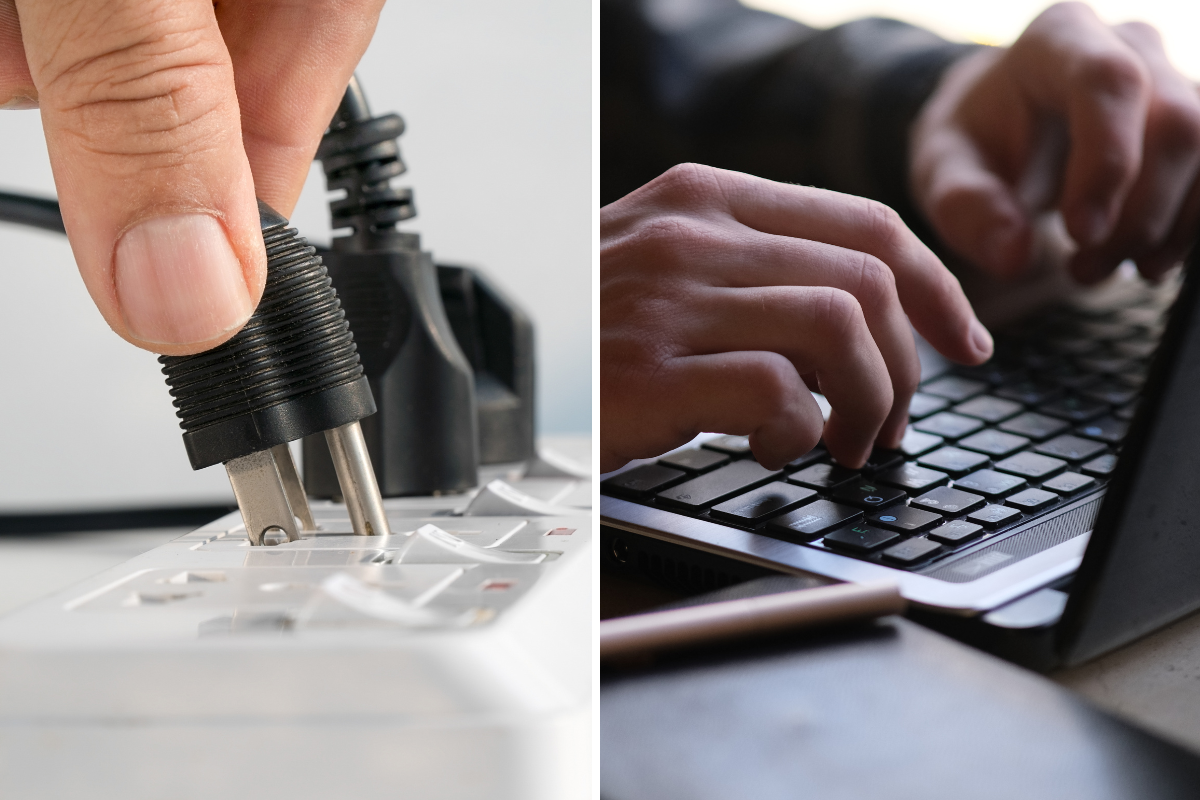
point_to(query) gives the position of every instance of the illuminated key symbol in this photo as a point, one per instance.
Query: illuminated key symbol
(872, 499)
(887, 518)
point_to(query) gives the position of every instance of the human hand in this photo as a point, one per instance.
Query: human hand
(1126, 128)
(158, 156)
(724, 298)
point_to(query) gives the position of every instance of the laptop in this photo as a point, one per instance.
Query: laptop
(1044, 506)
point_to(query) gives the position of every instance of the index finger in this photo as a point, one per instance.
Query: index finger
(1071, 63)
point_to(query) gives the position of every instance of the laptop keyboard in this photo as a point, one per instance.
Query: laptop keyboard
(988, 448)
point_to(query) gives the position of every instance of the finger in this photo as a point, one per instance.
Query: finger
(1179, 240)
(820, 330)
(929, 294)
(1072, 63)
(141, 121)
(1170, 162)
(753, 394)
(973, 210)
(16, 87)
(288, 101)
(783, 264)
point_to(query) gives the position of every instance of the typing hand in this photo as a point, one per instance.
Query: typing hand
(157, 156)
(1094, 114)
(724, 298)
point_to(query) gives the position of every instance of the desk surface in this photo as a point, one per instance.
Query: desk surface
(1153, 683)
(890, 710)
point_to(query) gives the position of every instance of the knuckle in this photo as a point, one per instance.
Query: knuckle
(876, 283)
(158, 89)
(1112, 72)
(774, 384)
(839, 315)
(690, 184)
(884, 225)
(667, 239)
(1177, 124)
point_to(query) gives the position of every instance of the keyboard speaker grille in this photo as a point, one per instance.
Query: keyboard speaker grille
(1008, 551)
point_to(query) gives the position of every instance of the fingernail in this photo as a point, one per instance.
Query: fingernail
(178, 280)
(981, 340)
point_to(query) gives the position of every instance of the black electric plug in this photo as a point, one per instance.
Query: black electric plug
(424, 438)
(292, 371)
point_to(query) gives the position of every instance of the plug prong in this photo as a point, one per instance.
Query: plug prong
(292, 487)
(357, 479)
(261, 496)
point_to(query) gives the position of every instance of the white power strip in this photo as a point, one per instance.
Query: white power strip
(452, 659)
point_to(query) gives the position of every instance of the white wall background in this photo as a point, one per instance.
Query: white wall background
(1002, 22)
(497, 100)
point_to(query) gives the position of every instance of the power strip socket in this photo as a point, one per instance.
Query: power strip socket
(451, 660)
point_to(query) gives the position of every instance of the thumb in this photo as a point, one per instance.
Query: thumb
(142, 124)
(973, 210)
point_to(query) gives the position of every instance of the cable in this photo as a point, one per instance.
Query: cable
(37, 212)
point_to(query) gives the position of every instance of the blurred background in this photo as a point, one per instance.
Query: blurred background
(1000, 23)
(497, 98)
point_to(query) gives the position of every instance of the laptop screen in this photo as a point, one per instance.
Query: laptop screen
(1142, 565)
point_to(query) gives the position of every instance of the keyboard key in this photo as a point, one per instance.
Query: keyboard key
(994, 516)
(882, 459)
(912, 477)
(1034, 426)
(1108, 365)
(1126, 412)
(953, 461)
(1030, 392)
(1032, 500)
(1068, 376)
(1031, 466)
(713, 487)
(988, 408)
(1111, 392)
(823, 476)
(860, 538)
(1074, 408)
(948, 425)
(945, 500)
(953, 388)
(1101, 467)
(811, 457)
(697, 460)
(765, 501)
(994, 372)
(1109, 429)
(922, 405)
(1136, 348)
(955, 531)
(996, 444)
(813, 519)
(1069, 483)
(643, 480)
(1070, 447)
(733, 445)
(1072, 345)
(867, 494)
(912, 551)
(989, 483)
(906, 519)
(915, 443)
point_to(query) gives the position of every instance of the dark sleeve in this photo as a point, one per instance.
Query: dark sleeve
(714, 82)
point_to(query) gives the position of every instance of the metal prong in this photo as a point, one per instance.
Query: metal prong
(357, 479)
(292, 486)
(260, 496)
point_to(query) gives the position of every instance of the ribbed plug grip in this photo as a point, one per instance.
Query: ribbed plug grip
(291, 371)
